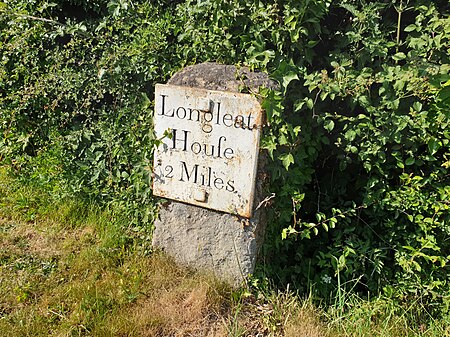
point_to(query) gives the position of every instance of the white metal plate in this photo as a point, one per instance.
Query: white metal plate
(209, 151)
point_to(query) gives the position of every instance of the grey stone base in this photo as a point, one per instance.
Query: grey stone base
(209, 240)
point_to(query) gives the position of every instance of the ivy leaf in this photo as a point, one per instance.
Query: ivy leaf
(145, 101)
(287, 159)
(288, 78)
(261, 59)
(269, 143)
(287, 73)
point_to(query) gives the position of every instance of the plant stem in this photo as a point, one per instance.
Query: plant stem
(399, 21)
(39, 19)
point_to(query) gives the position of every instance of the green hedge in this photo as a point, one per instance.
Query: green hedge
(358, 135)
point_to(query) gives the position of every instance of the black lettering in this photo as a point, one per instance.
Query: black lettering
(206, 178)
(218, 183)
(163, 107)
(205, 148)
(209, 176)
(175, 139)
(199, 147)
(184, 169)
(249, 123)
(210, 118)
(227, 118)
(218, 113)
(206, 126)
(219, 145)
(169, 170)
(203, 183)
(228, 153)
(230, 186)
(184, 111)
(239, 122)
(190, 114)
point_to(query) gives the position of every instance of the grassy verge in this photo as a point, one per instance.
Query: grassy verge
(70, 269)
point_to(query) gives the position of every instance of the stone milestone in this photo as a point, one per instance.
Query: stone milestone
(208, 164)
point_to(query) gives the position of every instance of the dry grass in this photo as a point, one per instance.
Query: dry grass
(87, 289)
(182, 311)
(305, 323)
(63, 281)
(173, 302)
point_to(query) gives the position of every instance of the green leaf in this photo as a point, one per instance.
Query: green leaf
(145, 101)
(410, 28)
(263, 58)
(299, 105)
(399, 56)
(417, 266)
(350, 135)
(270, 145)
(333, 222)
(444, 95)
(417, 106)
(287, 159)
(328, 125)
(434, 145)
(288, 78)
(335, 88)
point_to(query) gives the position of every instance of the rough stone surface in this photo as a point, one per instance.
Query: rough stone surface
(206, 239)
(215, 76)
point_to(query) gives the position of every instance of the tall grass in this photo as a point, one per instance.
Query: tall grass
(68, 268)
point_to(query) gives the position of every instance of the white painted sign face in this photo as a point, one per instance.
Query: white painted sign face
(209, 151)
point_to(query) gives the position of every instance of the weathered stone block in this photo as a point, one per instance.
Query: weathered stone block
(223, 243)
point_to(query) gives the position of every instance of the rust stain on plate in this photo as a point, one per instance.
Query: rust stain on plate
(209, 147)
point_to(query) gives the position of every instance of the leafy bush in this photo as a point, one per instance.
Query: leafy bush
(358, 132)
(357, 135)
(82, 87)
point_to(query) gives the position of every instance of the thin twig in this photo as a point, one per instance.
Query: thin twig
(265, 201)
(399, 21)
(57, 314)
(39, 19)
